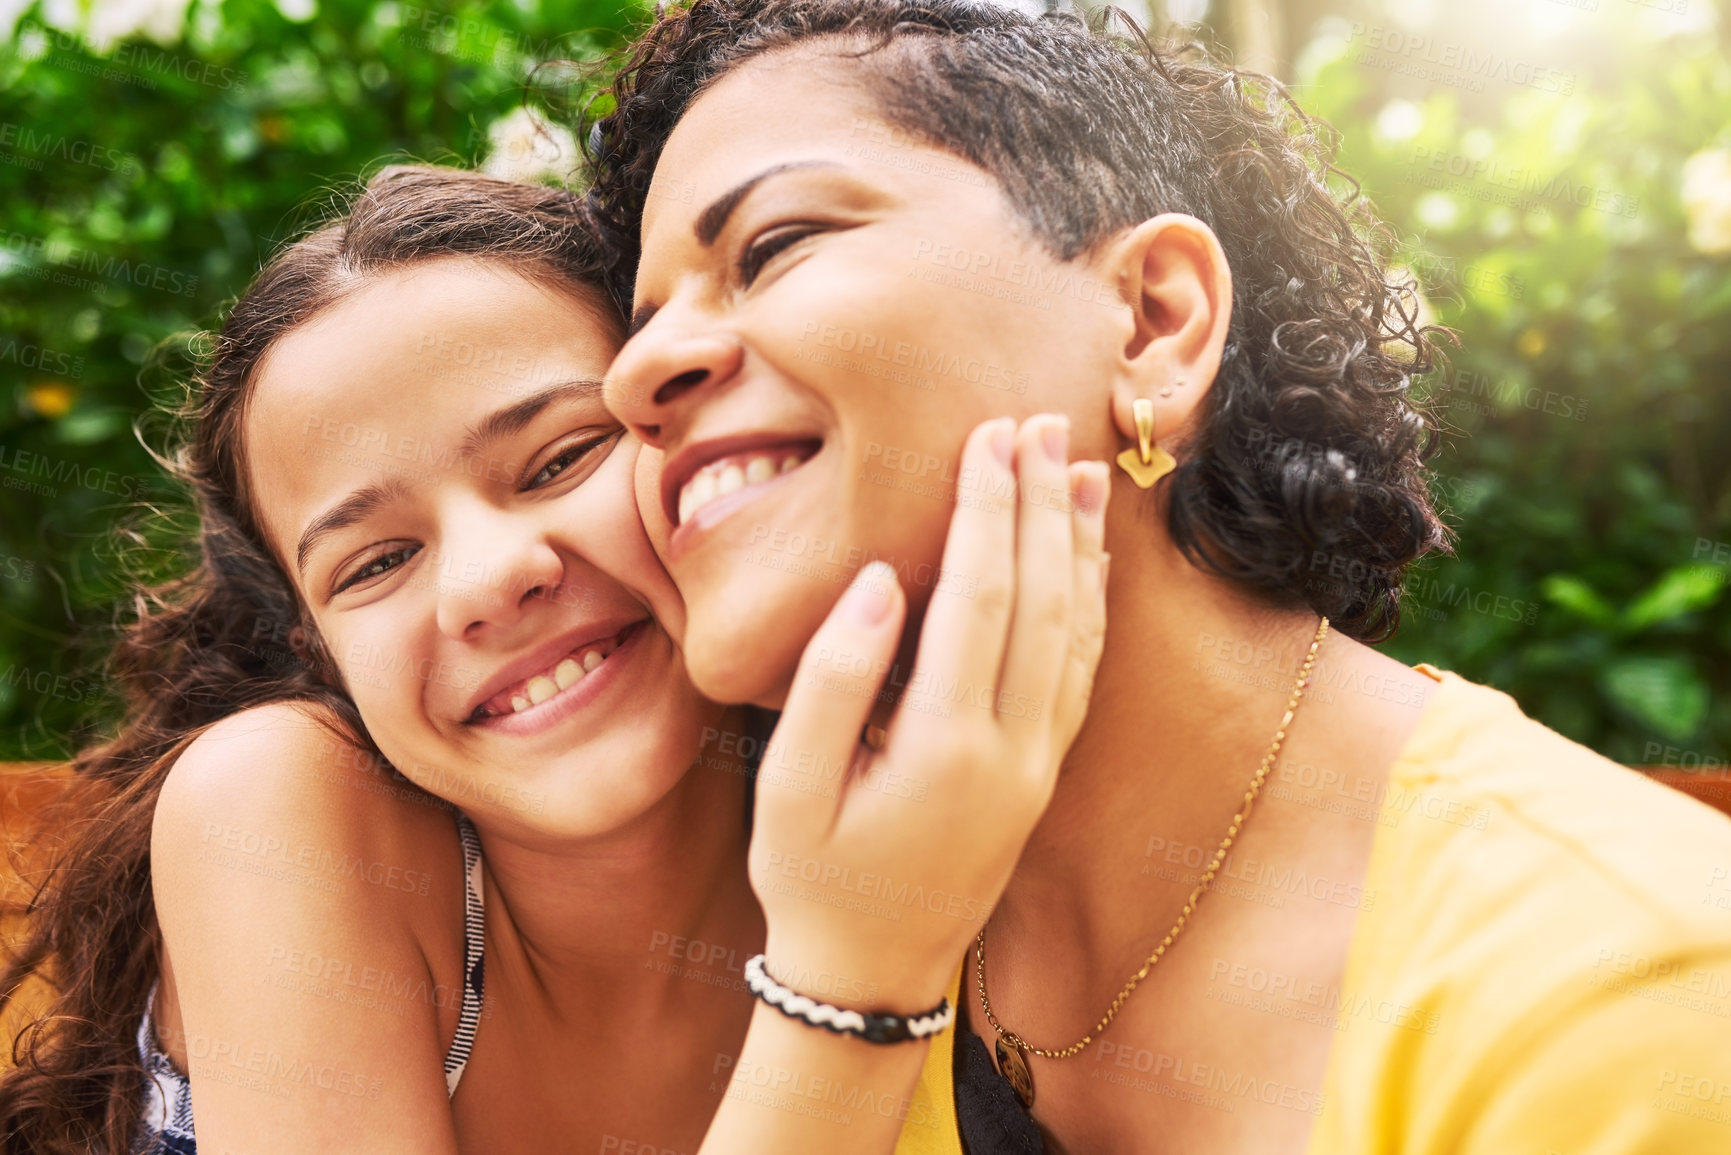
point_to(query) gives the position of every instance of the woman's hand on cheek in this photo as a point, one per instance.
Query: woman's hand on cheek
(876, 868)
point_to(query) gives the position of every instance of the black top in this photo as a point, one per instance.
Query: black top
(988, 1114)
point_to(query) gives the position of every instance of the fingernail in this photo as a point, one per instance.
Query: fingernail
(867, 600)
(1055, 437)
(1091, 491)
(1003, 440)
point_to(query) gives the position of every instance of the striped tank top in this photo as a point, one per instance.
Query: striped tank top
(165, 1126)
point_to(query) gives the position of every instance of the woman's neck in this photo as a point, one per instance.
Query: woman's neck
(634, 912)
(1191, 688)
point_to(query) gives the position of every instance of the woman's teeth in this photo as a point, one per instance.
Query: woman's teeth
(731, 474)
(569, 671)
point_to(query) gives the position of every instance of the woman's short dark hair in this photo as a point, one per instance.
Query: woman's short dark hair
(1305, 481)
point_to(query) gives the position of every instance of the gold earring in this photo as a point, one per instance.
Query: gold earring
(1147, 462)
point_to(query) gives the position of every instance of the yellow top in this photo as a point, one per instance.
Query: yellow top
(1547, 968)
(1554, 949)
(931, 1125)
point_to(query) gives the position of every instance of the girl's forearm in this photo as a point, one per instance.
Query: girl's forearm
(797, 1089)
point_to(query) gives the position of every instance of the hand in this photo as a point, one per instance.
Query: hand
(874, 879)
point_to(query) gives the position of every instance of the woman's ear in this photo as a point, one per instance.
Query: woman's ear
(1173, 274)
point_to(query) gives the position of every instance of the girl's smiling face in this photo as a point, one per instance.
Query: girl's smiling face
(431, 462)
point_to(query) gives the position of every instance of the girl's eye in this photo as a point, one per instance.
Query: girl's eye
(568, 457)
(382, 564)
(760, 252)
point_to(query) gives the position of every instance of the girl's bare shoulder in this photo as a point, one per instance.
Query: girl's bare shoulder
(279, 799)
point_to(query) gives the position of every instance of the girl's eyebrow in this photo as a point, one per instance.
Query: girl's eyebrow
(512, 418)
(343, 514)
(501, 423)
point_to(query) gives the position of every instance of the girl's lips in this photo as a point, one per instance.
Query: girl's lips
(542, 716)
(560, 673)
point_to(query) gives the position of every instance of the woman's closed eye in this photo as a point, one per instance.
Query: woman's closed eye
(770, 245)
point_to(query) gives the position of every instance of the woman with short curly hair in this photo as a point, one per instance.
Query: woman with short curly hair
(854, 228)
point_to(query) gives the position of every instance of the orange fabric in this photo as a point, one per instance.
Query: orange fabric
(29, 798)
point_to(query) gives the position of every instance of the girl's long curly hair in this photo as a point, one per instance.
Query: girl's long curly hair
(1305, 482)
(228, 635)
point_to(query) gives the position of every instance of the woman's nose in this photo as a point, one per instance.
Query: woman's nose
(663, 373)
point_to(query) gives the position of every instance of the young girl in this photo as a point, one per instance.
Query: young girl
(417, 838)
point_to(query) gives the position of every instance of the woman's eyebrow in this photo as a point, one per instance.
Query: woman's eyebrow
(713, 218)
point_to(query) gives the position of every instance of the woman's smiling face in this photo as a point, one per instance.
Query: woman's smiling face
(825, 308)
(432, 463)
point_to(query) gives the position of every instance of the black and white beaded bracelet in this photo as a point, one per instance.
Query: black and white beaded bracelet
(872, 1026)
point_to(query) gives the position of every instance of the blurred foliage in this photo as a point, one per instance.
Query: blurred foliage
(143, 184)
(1588, 401)
(1587, 468)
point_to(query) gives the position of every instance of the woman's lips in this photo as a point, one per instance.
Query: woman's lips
(585, 675)
(737, 471)
(720, 508)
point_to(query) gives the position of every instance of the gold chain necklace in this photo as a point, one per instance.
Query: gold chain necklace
(1012, 1048)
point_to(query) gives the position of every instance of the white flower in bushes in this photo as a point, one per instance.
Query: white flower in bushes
(1707, 200)
(112, 21)
(525, 147)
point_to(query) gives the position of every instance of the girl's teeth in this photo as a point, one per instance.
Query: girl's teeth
(566, 673)
(760, 469)
(519, 703)
(789, 463)
(687, 503)
(540, 688)
(591, 659)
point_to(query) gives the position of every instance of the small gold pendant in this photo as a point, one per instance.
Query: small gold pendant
(1013, 1065)
(1145, 474)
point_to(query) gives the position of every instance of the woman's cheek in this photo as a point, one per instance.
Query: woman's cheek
(646, 484)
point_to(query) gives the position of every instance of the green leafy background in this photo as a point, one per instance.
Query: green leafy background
(1588, 471)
